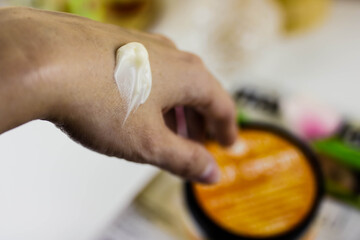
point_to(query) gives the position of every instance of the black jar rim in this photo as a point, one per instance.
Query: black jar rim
(215, 232)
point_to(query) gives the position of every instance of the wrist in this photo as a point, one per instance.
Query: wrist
(24, 95)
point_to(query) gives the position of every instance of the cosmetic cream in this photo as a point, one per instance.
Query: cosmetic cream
(133, 75)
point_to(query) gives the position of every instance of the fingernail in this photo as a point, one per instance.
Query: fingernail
(210, 175)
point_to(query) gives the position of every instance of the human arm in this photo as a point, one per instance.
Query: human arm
(59, 67)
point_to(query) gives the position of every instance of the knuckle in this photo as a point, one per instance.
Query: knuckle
(192, 58)
(210, 91)
(165, 39)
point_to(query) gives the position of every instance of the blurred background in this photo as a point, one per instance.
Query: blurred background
(298, 58)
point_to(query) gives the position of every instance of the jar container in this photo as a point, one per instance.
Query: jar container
(271, 188)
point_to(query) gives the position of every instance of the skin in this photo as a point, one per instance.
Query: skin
(59, 67)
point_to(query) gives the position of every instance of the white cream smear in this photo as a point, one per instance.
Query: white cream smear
(133, 75)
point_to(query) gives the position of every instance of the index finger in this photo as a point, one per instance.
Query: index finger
(201, 91)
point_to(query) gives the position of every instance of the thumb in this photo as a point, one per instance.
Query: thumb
(187, 159)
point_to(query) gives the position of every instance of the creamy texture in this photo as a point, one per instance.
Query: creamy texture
(133, 75)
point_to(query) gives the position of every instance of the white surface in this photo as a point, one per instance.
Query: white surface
(52, 188)
(323, 64)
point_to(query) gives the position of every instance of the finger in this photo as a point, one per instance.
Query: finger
(187, 159)
(219, 111)
(221, 116)
(196, 125)
(203, 92)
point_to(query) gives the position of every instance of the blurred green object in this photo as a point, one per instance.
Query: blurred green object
(241, 117)
(53, 5)
(138, 14)
(343, 187)
(340, 152)
(343, 194)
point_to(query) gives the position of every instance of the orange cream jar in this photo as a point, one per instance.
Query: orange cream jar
(270, 187)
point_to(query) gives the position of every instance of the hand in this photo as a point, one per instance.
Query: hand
(70, 60)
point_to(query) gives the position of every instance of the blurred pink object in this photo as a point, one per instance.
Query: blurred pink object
(309, 119)
(181, 121)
